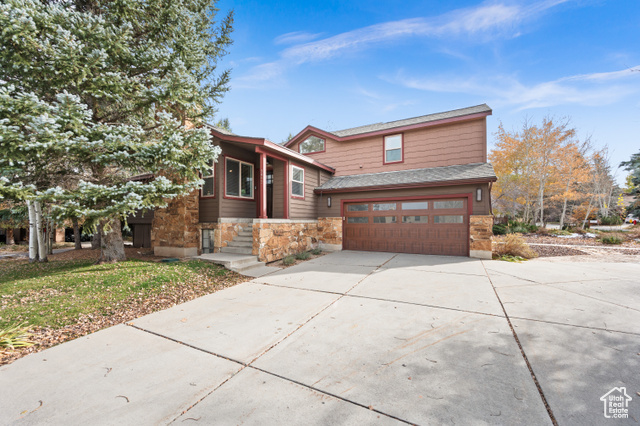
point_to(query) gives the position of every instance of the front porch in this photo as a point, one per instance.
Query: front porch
(272, 239)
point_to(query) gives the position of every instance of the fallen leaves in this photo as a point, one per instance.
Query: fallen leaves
(149, 292)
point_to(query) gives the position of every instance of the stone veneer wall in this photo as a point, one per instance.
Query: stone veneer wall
(175, 229)
(480, 233)
(330, 232)
(225, 230)
(274, 239)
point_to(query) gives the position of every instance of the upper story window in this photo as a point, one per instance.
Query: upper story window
(208, 188)
(297, 181)
(312, 144)
(393, 149)
(239, 178)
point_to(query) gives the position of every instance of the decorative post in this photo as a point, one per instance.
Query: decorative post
(262, 196)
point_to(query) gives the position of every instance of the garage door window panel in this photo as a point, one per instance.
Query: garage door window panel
(384, 207)
(448, 219)
(415, 219)
(384, 219)
(358, 207)
(358, 219)
(449, 204)
(416, 205)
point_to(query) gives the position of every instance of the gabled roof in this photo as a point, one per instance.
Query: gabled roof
(461, 114)
(219, 129)
(477, 172)
(262, 143)
(416, 120)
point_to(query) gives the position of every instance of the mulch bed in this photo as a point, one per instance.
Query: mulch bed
(581, 241)
(553, 251)
(131, 309)
(554, 248)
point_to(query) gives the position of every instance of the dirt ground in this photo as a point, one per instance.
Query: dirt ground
(583, 249)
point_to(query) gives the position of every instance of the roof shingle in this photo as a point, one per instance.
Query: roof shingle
(408, 177)
(416, 120)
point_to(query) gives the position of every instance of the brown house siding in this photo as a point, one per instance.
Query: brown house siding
(445, 145)
(141, 217)
(209, 208)
(231, 207)
(305, 209)
(278, 189)
(479, 208)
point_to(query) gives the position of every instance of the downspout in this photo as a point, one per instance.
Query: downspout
(490, 203)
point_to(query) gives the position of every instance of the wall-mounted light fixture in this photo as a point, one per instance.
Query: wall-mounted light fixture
(328, 201)
(479, 194)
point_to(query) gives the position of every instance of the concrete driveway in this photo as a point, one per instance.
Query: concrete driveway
(357, 338)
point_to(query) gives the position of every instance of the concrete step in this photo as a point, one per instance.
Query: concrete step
(248, 265)
(241, 263)
(236, 250)
(258, 270)
(229, 260)
(234, 243)
(245, 234)
(248, 239)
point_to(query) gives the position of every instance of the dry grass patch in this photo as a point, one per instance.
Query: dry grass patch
(512, 247)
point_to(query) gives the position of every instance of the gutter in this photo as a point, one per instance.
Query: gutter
(320, 190)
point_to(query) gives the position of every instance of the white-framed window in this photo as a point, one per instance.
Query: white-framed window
(208, 187)
(297, 181)
(238, 178)
(312, 144)
(393, 149)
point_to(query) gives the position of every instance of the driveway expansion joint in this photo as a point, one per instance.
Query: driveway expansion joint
(404, 302)
(249, 364)
(524, 355)
(586, 327)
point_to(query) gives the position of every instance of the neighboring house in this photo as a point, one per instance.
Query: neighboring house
(420, 185)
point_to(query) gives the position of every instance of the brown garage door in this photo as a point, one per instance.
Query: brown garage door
(423, 226)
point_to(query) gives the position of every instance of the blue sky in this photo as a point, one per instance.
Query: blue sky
(341, 64)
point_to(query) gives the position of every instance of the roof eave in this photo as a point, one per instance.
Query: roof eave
(307, 130)
(406, 185)
(440, 122)
(272, 146)
(312, 129)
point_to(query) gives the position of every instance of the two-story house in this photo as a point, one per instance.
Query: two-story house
(419, 185)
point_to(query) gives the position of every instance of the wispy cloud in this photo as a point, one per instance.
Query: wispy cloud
(269, 71)
(483, 19)
(602, 88)
(382, 103)
(480, 23)
(296, 37)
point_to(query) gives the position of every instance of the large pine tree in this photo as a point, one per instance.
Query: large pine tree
(93, 92)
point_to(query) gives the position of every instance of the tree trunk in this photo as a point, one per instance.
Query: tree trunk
(96, 240)
(76, 234)
(42, 248)
(586, 217)
(52, 236)
(10, 240)
(564, 212)
(541, 206)
(33, 234)
(112, 247)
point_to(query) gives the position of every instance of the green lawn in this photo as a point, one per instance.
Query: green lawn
(60, 293)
